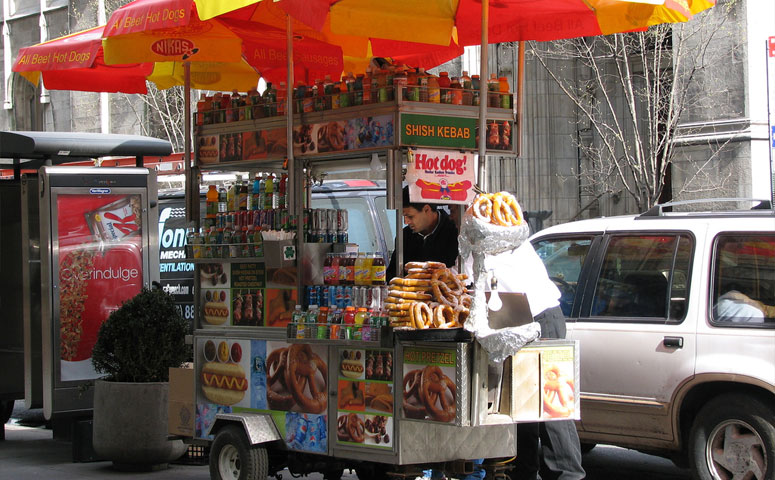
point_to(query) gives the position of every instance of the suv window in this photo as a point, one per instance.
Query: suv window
(644, 276)
(388, 221)
(744, 279)
(360, 227)
(563, 258)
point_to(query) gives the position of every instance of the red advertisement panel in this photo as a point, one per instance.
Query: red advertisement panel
(100, 266)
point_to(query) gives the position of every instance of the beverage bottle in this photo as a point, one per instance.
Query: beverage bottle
(258, 243)
(226, 107)
(328, 269)
(493, 98)
(378, 270)
(505, 97)
(211, 205)
(200, 109)
(336, 100)
(444, 86)
(361, 316)
(366, 273)
(367, 81)
(412, 93)
(269, 192)
(381, 85)
(235, 105)
(190, 242)
(235, 247)
(342, 268)
(350, 270)
(434, 92)
(467, 85)
(475, 90)
(422, 82)
(359, 268)
(348, 320)
(344, 92)
(270, 100)
(282, 93)
(222, 200)
(254, 104)
(246, 249)
(312, 314)
(389, 82)
(242, 199)
(230, 196)
(456, 92)
(262, 192)
(400, 81)
(254, 193)
(358, 90)
(226, 242)
(282, 192)
(328, 92)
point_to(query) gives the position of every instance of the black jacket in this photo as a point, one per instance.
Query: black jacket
(439, 246)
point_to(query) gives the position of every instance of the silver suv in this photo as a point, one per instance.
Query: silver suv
(674, 314)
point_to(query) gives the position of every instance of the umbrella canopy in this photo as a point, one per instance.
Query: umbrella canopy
(76, 62)
(163, 30)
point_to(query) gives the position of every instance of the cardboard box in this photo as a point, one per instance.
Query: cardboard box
(181, 410)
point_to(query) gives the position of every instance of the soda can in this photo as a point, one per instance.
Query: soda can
(332, 219)
(368, 294)
(284, 220)
(341, 220)
(340, 296)
(325, 296)
(348, 296)
(330, 236)
(312, 295)
(356, 296)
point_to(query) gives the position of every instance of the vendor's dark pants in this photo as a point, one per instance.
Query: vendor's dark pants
(559, 441)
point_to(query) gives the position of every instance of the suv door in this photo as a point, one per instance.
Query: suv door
(633, 304)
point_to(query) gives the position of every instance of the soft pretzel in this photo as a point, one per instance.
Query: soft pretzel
(499, 208)
(558, 394)
(409, 288)
(430, 265)
(445, 316)
(422, 316)
(482, 208)
(410, 295)
(410, 282)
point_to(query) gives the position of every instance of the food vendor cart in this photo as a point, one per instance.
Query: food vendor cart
(271, 379)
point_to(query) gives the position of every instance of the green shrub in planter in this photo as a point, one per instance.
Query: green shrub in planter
(142, 339)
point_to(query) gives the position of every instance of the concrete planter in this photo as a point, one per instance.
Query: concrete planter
(130, 425)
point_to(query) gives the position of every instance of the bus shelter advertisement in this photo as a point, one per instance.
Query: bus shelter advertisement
(100, 266)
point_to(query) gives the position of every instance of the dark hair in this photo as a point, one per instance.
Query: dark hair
(416, 206)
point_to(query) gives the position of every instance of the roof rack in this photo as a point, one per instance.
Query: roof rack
(657, 210)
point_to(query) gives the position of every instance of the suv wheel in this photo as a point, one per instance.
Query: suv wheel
(733, 436)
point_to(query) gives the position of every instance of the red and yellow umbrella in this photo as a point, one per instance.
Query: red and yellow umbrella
(76, 62)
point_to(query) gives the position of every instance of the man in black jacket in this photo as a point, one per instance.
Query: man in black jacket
(429, 235)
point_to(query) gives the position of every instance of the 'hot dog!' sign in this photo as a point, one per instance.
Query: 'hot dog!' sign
(436, 176)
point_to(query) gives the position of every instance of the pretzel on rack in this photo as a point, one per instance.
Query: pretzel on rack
(424, 265)
(482, 208)
(445, 316)
(421, 315)
(499, 208)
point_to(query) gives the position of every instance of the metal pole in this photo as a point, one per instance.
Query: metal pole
(520, 93)
(292, 173)
(482, 170)
(192, 184)
(769, 120)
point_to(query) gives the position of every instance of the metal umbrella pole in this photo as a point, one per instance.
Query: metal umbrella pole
(482, 170)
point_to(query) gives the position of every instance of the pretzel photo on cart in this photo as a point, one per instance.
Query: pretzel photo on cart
(296, 379)
(558, 394)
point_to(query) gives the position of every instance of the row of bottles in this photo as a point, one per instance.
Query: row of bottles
(224, 242)
(354, 269)
(335, 323)
(375, 86)
(266, 192)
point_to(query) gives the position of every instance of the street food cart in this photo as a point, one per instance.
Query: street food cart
(274, 386)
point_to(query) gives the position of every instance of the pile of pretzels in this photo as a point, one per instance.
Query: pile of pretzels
(429, 296)
(498, 209)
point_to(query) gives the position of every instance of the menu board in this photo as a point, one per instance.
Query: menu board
(232, 294)
(100, 266)
(365, 413)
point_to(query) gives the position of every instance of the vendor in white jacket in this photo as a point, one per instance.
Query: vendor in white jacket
(522, 271)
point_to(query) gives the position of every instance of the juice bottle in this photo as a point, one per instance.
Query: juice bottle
(230, 196)
(422, 82)
(475, 90)
(344, 93)
(456, 92)
(412, 90)
(282, 192)
(358, 90)
(493, 98)
(328, 91)
(350, 269)
(367, 88)
(368, 260)
(246, 248)
(465, 82)
(400, 81)
(348, 320)
(434, 92)
(342, 268)
(235, 247)
(225, 242)
(241, 201)
(505, 97)
(201, 105)
(359, 269)
(336, 98)
(282, 93)
(269, 192)
(258, 242)
(444, 85)
(255, 193)
(211, 204)
(378, 270)
(328, 269)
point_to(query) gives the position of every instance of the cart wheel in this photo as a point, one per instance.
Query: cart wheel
(6, 409)
(372, 471)
(233, 458)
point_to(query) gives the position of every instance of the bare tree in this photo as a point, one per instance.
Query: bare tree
(635, 94)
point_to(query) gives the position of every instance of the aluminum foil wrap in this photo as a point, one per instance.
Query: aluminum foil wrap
(478, 239)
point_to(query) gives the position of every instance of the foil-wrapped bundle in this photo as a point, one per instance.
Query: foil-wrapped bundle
(479, 238)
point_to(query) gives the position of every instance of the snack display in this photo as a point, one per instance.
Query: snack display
(429, 296)
(499, 208)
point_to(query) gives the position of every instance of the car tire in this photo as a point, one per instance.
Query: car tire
(733, 436)
(233, 458)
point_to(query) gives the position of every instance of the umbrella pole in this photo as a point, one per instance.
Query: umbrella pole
(295, 203)
(482, 171)
(192, 200)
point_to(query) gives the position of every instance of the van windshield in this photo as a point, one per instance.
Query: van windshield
(360, 224)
